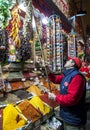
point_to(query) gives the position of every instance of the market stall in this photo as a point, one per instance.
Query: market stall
(24, 50)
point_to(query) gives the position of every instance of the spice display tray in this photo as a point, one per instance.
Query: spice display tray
(34, 125)
(17, 102)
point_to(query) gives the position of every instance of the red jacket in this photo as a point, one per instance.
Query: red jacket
(75, 89)
(85, 69)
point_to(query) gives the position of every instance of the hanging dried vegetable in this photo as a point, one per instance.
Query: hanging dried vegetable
(24, 52)
(5, 15)
(27, 25)
(3, 46)
(15, 26)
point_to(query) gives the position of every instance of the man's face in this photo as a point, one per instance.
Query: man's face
(69, 63)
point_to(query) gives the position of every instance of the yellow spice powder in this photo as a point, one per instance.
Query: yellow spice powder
(11, 118)
(39, 104)
(35, 90)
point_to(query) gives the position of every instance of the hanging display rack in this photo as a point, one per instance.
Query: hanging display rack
(54, 44)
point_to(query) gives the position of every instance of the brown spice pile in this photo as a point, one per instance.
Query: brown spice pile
(29, 111)
(27, 83)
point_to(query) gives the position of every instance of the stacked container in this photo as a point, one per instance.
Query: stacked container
(54, 44)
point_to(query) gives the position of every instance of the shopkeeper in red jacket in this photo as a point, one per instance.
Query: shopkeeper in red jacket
(72, 95)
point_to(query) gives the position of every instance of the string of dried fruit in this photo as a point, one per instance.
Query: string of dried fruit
(24, 52)
(15, 26)
(27, 24)
(3, 46)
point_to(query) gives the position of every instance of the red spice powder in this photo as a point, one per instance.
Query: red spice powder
(17, 85)
(51, 103)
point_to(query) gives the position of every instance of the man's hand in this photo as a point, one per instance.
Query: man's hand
(84, 73)
(51, 96)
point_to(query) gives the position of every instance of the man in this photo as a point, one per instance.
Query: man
(72, 95)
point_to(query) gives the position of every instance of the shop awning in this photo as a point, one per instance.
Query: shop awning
(47, 7)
